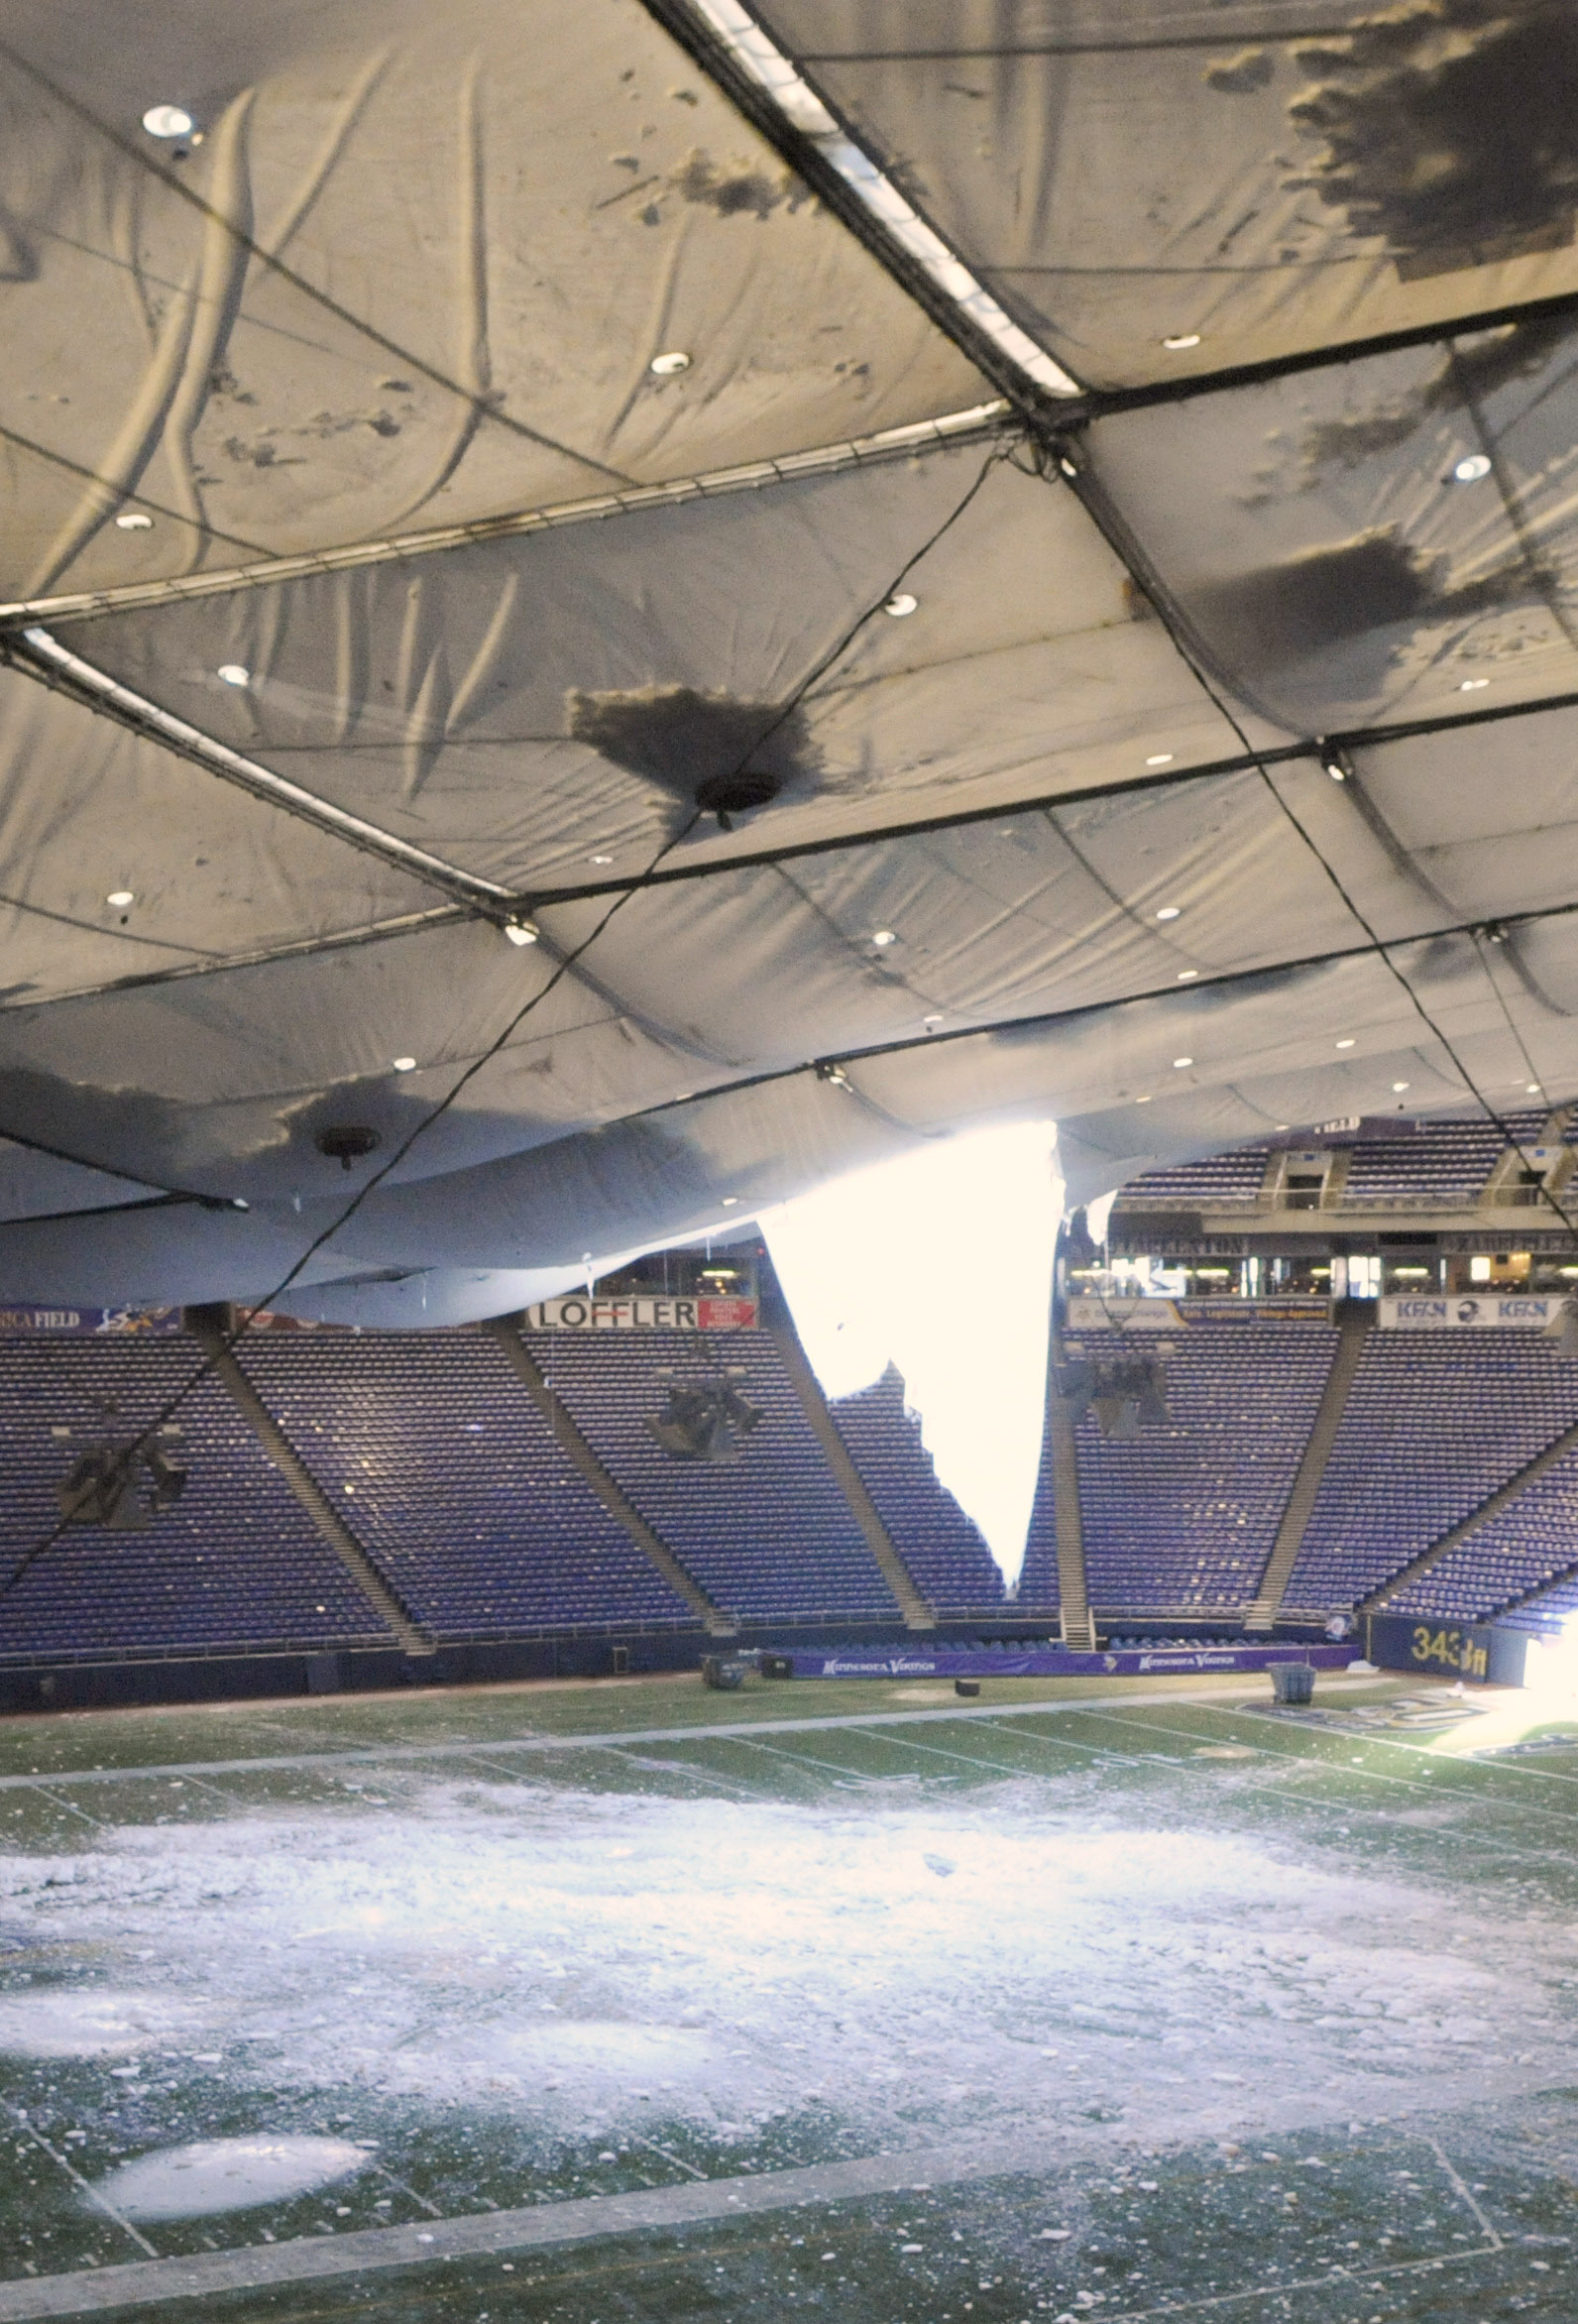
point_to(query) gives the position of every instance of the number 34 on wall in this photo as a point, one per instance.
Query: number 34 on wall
(1449, 1650)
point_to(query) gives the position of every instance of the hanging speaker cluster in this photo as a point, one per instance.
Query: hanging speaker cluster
(119, 1483)
(1126, 1393)
(705, 1419)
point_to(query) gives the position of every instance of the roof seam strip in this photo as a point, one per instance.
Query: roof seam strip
(1314, 747)
(262, 957)
(762, 61)
(751, 476)
(1265, 973)
(45, 659)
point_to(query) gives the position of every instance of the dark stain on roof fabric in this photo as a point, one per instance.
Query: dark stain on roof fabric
(732, 189)
(1477, 367)
(1252, 69)
(1448, 127)
(1278, 614)
(711, 751)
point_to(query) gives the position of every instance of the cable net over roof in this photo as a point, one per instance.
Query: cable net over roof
(467, 474)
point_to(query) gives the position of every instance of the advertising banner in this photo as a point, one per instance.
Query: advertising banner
(93, 1320)
(1057, 1661)
(1478, 1651)
(1169, 1315)
(701, 1312)
(1479, 1310)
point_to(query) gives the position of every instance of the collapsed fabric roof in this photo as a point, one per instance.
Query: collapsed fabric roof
(941, 672)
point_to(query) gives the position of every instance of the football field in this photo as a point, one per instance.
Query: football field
(630, 2001)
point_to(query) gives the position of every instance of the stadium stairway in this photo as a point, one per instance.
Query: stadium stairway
(1265, 1606)
(1074, 1598)
(1492, 1506)
(210, 1327)
(505, 1330)
(917, 1615)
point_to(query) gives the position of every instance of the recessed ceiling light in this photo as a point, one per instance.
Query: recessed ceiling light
(120, 897)
(1142, 1100)
(1159, 758)
(883, 936)
(1473, 685)
(520, 931)
(1183, 339)
(931, 1023)
(1178, 1063)
(602, 859)
(1188, 975)
(133, 520)
(1471, 469)
(234, 673)
(730, 1200)
(664, 367)
(167, 121)
(1532, 1090)
(1398, 1088)
(1336, 765)
(1169, 911)
(900, 603)
(1347, 1044)
(404, 1064)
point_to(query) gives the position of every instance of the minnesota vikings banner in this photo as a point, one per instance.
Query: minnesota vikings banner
(1056, 1662)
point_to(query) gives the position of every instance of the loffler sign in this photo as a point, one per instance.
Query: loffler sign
(700, 1311)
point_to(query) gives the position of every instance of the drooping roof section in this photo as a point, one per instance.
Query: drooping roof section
(1028, 553)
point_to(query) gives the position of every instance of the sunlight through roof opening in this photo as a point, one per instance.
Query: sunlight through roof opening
(940, 1264)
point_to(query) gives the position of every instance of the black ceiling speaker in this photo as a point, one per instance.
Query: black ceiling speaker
(705, 1419)
(729, 795)
(346, 1142)
(1126, 1394)
(120, 1484)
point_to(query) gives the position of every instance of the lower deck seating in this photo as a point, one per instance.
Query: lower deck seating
(236, 1564)
(1183, 1518)
(1528, 1543)
(1038, 1592)
(769, 1537)
(949, 1561)
(1548, 1613)
(446, 1473)
(443, 1469)
(1434, 1423)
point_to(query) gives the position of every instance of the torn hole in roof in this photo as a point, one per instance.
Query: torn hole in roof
(1447, 127)
(710, 751)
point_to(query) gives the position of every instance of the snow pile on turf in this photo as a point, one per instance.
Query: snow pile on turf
(580, 1960)
(213, 2175)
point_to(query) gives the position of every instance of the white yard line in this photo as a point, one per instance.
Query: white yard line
(1330, 1806)
(69, 1805)
(375, 1753)
(1491, 1759)
(87, 2187)
(692, 2202)
(1464, 2194)
(668, 2156)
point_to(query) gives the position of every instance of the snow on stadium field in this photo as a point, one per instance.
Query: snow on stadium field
(1130, 2001)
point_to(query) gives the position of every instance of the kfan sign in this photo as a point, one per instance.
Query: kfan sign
(1469, 1311)
(705, 1312)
